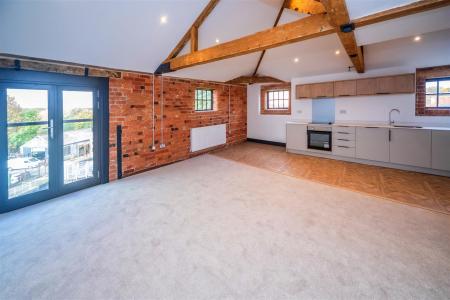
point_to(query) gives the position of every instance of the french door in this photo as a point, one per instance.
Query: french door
(50, 140)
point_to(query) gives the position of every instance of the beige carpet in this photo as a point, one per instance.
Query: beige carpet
(210, 228)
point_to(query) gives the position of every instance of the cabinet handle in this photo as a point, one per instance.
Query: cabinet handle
(390, 135)
(371, 127)
(382, 93)
(341, 132)
(345, 140)
(344, 147)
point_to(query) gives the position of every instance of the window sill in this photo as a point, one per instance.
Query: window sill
(275, 112)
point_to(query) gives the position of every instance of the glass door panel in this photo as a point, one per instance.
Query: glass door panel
(78, 135)
(28, 133)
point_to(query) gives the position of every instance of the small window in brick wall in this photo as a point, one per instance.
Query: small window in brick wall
(437, 91)
(204, 100)
(278, 99)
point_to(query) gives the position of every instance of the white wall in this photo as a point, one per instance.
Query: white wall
(432, 52)
(271, 127)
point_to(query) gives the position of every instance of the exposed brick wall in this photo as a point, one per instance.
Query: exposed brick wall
(130, 99)
(421, 76)
(274, 87)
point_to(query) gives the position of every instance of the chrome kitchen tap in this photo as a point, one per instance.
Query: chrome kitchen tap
(390, 115)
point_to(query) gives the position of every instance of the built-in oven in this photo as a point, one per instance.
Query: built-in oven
(319, 137)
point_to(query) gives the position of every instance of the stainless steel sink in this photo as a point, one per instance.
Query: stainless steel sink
(407, 126)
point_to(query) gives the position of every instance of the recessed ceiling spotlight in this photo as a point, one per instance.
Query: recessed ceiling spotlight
(337, 52)
(217, 41)
(163, 20)
(417, 38)
(296, 60)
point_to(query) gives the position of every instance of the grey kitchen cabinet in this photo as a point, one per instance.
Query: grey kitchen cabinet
(372, 143)
(296, 136)
(411, 147)
(440, 150)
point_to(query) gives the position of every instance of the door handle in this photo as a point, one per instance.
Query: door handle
(50, 128)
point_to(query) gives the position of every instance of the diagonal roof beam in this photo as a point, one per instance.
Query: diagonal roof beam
(303, 29)
(337, 16)
(280, 12)
(306, 28)
(254, 79)
(193, 30)
(401, 11)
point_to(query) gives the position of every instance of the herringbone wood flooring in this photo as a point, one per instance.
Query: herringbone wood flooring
(427, 191)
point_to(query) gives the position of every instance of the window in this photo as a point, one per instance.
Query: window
(203, 100)
(275, 99)
(437, 92)
(278, 99)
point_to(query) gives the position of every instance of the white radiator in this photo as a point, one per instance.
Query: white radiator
(209, 136)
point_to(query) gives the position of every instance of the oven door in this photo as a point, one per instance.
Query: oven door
(319, 140)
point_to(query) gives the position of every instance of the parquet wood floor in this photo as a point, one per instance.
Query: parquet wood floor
(423, 190)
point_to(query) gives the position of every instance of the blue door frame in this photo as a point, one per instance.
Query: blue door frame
(55, 84)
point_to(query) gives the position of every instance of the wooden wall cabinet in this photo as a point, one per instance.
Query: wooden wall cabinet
(323, 90)
(303, 91)
(367, 86)
(345, 88)
(395, 84)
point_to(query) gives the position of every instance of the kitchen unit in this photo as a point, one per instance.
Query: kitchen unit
(422, 149)
(394, 84)
(372, 143)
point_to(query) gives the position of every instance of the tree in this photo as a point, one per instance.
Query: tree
(17, 136)
(77, 114)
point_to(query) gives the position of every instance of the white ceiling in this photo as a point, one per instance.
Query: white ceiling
(128, 35)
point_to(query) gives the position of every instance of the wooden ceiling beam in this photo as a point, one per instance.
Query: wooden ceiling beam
(280, 12)
(303, 29)
(194, 39)
(197, 23)
(401, 11)
(254, 79)
(337, 14)
(310, 7)
(306, 28)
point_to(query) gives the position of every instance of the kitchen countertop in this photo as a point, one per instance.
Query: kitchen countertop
(380, 125)
(399, 125)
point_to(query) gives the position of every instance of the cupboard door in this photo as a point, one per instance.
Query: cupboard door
(372, 143)
(345, 88)
(385, 85)
(440, 157)
(404, 83)
(397, 84)
(411, 147)
(323, 90)
(303, 91)
(366, 86)
(296, 137)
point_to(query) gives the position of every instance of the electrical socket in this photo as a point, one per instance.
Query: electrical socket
(342, 111)
(162, 146)
(299, 111)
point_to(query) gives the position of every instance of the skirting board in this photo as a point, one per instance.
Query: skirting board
(373, 163)
(266, 142)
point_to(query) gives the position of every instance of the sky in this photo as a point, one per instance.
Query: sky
(28, 98)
